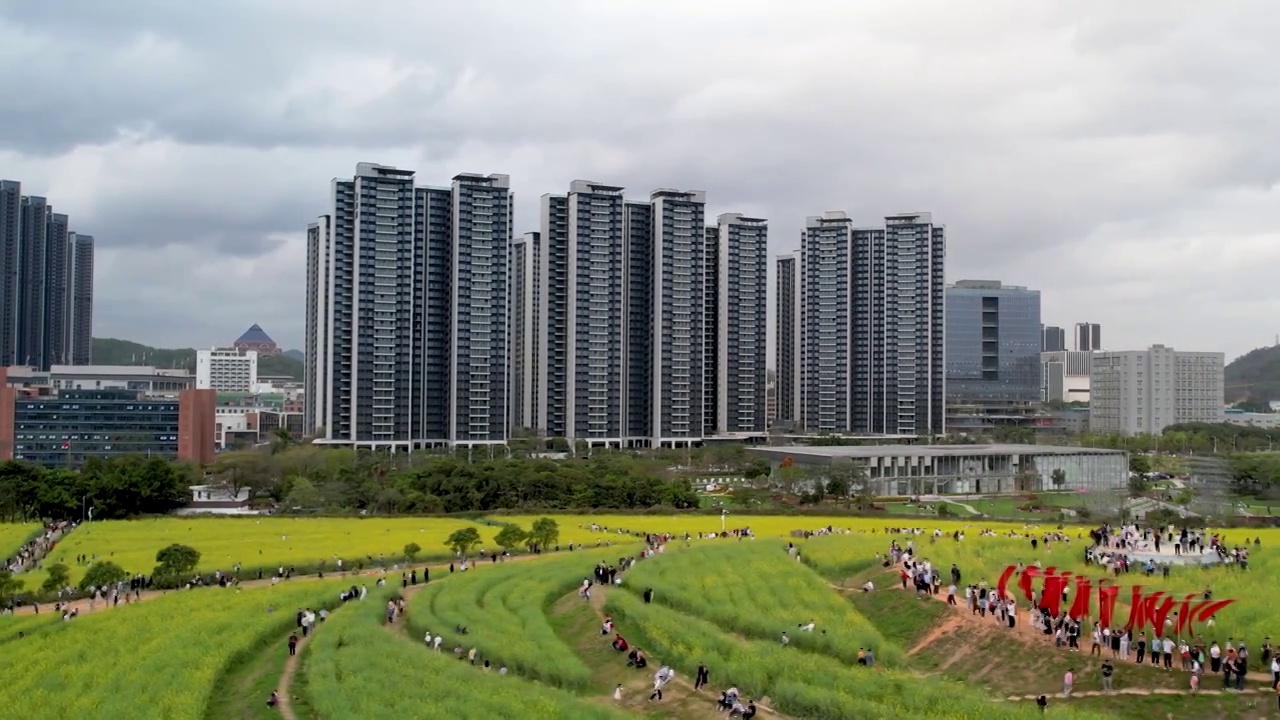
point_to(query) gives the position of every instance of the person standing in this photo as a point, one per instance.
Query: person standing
(1068, 681)
(293, 644)
(703, 677)
(1107, 670)
(1141, 647)
(1168, 653)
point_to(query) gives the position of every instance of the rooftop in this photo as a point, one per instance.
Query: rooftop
(255, 334)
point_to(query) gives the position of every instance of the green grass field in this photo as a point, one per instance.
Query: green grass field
(216, 653)
(13, 535)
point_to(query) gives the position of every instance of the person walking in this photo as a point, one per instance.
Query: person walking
(293, 644)
(1107, 670)
(1068, 681)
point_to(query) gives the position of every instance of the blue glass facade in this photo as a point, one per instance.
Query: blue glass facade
(993, 343)
(76, 425)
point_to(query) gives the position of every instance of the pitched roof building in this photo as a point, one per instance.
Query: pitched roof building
(255, 338)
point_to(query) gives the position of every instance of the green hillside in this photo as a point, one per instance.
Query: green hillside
(110, 351)
(1254, 376)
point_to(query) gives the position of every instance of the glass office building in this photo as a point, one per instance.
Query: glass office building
(69, 428)
(993, 343)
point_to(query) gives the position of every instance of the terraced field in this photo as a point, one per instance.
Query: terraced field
(720, 602)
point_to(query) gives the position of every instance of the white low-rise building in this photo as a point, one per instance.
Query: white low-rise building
(227, 370)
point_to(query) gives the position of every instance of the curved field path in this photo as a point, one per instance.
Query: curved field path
(435, 567)
(285, 705)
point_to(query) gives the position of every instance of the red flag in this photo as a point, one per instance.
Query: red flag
(1084, 591)
(1107, 603)
(1137, 609)
(1204, 610)
(1003, 586)
(1024, 582)
(1184, 615)
(1161, 613)
(1051, 598)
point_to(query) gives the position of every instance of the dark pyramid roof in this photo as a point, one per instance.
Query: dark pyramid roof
(255, 334)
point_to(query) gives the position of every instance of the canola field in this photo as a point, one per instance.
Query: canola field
(357, 668)
(263, 542)
(13, 535)
(156, 659)
(503, 608)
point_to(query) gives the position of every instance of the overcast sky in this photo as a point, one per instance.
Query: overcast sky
(1121, 157)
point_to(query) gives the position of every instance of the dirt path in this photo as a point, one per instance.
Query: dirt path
(944, 628)
(641, 686)
(286, 680)
(84, 605)
(1148, 691)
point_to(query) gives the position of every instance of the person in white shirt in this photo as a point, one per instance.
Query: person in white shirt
(809, 627)
(661, 678)
(427, 639)
(435, 643)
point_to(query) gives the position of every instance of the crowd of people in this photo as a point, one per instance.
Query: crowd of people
(1111, 548)
(33, 551)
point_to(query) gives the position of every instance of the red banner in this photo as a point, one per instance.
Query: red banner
(1024, 583)
(1002, 588)
(1107, 604)
(1084, 593)
(1145, 609)
(1051, 597)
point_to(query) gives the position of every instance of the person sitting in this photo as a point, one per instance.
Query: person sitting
(723, 703)
(809, 627)
(737, 710)
(750, 711)
(607, 627)
(637, 659)
(274, 700)
(862, 656)
(869, 586)
(620, 644)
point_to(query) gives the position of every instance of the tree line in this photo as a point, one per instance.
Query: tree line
(303, 479)
(310, 480)
(101, 489)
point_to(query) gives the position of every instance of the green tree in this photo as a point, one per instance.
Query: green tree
(303, 496)
(411, 551)
(177, 560)
(281, 440)
(59, 577)
(10, 586)
(101, 574)
(462, 541)
(1139, 463)
(544, 533)
(1138, 486)
(511, 536)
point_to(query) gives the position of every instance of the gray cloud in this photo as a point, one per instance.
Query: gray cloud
(1118, 156)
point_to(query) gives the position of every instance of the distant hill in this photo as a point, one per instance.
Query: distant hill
(110, 351)
(1254, 376)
